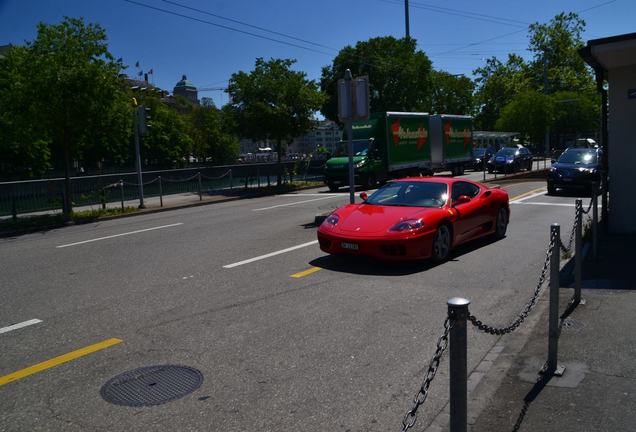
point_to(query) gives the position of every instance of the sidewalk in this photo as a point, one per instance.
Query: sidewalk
(598, 348)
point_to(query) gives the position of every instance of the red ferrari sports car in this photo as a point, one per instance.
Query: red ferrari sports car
(416, 218)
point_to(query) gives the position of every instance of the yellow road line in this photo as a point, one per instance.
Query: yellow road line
(306, 272)
(526, 193)
(58, 361)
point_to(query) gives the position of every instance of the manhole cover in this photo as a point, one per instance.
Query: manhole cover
(572, 324)
(151, 385)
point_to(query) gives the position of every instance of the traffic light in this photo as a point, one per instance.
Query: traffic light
(142, 118)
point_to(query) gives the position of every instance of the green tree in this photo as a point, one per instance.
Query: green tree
(24, 143)
(273, 102)
(210, 136)
(72, 93)
(497, 84)
(399, 75)
(167, 143)
(575, 113)
(530, 113)
(452, 94)
(557, 43)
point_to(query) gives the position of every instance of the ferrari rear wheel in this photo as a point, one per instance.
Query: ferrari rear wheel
(501, 225)
(441, 244)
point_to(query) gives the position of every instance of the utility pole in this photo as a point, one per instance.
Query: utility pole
(406, 18)
(140, 126)
(545, 92)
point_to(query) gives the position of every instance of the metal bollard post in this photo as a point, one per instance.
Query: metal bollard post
(258, 177)
(160, 192)
(121, 190)
(200, 186)
(483, 160)
(269, 184)
(458, 315)
(594, 221)
(578, 259)
(551, 367)
(231, 180)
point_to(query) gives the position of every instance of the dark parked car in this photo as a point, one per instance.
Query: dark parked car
(481, 155)
(510, 159)
(575, 168)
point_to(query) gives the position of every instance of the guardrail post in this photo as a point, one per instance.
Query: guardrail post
(200, 186)
(121, 190)
(594, 221)
(458, 315)
(14, 205)
(551, 367)
(231, 179)
(483, 164)
(258, 177)
(578, 259)
(160, 192)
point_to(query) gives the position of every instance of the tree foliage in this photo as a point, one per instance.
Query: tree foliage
(211, 140)
(399, 75)
(497, 84)
(451, 94)
(558, 42)
(62, 97)
(273, 102)
(530, 113)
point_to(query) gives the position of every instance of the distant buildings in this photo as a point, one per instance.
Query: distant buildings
(187, 90)
(327, 135)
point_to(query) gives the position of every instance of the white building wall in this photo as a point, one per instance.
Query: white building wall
(622, 150)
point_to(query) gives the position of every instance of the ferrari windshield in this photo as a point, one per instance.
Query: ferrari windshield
(410, 194)
(578, 156)
(360, 147)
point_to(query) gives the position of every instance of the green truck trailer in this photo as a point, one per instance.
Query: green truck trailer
(397, 144)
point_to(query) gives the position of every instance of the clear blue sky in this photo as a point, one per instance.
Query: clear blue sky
(173, 45)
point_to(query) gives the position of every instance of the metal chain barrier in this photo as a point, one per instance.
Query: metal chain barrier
(137, 184)
(568, 249)
(529, 306)
(442, 343)
(180, 180)
(216, 178)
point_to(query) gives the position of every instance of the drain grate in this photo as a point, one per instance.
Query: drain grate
(572, 324)
(151, 385)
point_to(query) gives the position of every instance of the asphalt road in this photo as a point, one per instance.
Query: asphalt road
(286, 337)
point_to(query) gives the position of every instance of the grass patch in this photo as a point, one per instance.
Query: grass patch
(25, 225)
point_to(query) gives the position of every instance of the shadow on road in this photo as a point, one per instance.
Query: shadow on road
(373, 267)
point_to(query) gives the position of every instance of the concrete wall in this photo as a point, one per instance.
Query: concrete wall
(622, 150)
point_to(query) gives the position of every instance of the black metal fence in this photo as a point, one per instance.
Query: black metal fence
(30, 196)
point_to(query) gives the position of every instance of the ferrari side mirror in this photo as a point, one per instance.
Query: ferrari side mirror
(363, 196)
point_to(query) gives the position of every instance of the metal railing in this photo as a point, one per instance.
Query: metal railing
(454, 336)
(33, 196)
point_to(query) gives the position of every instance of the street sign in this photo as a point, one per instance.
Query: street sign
(358, 107)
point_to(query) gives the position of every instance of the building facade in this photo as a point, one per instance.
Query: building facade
(187, 90)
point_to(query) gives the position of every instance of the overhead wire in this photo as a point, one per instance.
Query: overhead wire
(226, 27)
(247, 24)
(464, 14)
(515, 32)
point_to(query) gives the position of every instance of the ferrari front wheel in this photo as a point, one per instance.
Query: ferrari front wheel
(441, 244)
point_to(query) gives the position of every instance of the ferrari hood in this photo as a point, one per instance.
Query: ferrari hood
(372, 219)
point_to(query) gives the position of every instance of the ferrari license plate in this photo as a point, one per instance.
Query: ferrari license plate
(350, 246)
